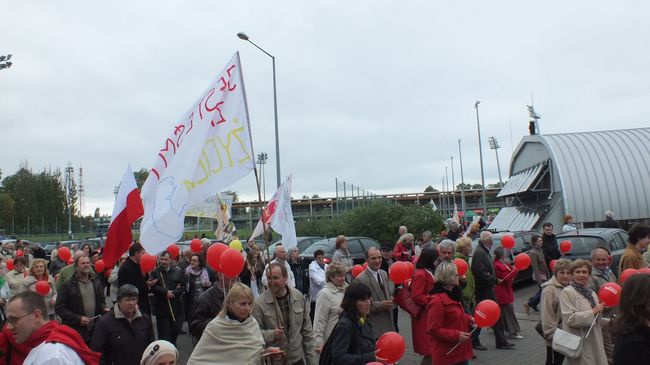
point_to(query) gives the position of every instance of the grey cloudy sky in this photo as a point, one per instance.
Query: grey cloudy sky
(376, 93)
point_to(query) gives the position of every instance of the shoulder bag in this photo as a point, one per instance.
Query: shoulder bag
(569, 344)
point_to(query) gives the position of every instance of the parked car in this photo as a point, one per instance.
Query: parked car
(357, 246)
(522, 244)
(583, 241)
(303, 244)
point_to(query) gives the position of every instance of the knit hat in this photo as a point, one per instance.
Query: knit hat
(156, 350)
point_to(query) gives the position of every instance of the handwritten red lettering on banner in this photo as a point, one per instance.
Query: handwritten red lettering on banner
(211, 102)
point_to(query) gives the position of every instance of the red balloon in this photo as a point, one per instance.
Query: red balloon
(174, 250)
(610, 294)
(326, 260)
(10, 264)
(147, 263)
(391, 346)
(522, 261)
(70, 261)
(461, 266)
(42, 287)
(357, 270)
(644, 270)
(411, 268)
(374, 363)
(64, 254)
(365, 265)
(398, 273)
(214, 255)
(565, 246)
(20, 253)
(627, 273)
(99, 266)
(551, 264)
(487, 313)
(196, 245)
(508, 242)
(231, 263)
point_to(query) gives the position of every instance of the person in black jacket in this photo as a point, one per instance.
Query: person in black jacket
(485, 280)
(122, 334)
(352, 341)
(168, 293)
(81, 300)
(209, 305)
(632, 326)
(130, 273)
(299, 273)
(550, 246)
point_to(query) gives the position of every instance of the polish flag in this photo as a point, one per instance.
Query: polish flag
(128, 208)
(279, 217)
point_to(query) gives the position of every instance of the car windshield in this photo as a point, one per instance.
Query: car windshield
(583, 245)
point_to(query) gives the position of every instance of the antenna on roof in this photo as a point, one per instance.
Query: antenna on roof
(533, 124)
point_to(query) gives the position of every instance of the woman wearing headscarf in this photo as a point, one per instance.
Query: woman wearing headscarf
(505, 274)
(580, 306)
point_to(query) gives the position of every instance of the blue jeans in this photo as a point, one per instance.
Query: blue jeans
(534, 301)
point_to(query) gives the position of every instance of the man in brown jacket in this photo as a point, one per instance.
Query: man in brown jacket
(601, 274)
(639, 237)
(282, 316)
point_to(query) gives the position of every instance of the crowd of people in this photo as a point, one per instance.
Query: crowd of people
(283, 312)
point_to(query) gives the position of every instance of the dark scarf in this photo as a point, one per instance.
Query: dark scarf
(456, 293)
(585, 292)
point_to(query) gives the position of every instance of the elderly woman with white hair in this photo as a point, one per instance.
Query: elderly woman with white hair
(404, 249)
(328, 303)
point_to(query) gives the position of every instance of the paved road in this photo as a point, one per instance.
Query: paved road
(531, 349)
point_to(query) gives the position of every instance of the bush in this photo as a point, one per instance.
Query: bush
(378, 221)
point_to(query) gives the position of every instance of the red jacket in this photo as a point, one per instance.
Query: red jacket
(400, 250)
(446, 319)
(503, 291)
(421, 285)
(71, 338)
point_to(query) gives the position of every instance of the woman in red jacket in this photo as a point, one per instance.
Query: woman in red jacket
(505, 274)
(421, 286)
(447, 323)
(404, 249)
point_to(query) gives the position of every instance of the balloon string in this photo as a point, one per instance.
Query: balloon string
(459, 342)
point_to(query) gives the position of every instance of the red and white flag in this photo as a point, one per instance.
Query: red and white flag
(279, 217)
(128, 208)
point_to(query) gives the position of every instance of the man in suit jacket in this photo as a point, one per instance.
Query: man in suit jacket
(381, 311)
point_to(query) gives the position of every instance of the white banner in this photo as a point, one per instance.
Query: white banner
(208, 149)
(212, 207)
(281, 219)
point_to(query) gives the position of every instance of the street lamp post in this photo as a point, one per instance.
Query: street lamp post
(262, 157)
(494, 145)
(244, 37)
(462, 179)
(480, 152)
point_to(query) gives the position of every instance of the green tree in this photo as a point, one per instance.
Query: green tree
(430, 189)
(140, 177)
(463, 186)
(7, 209)
(476, 187)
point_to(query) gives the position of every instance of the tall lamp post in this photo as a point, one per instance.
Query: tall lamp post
(494, 145)
(261, 160)
(480, 152)
(5, 62)
(462, 179)
(244, 37)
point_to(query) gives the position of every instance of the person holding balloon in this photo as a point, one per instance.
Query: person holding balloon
(421, 286)
(580, 307)
(16, 275)
(197, 281)
(448, 325)
(601, 274)
(131, 272)
(540, 271)
(632, 326)
(37, 273)
(505, 274)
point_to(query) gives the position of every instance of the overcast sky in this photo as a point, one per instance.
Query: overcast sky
(374, 93)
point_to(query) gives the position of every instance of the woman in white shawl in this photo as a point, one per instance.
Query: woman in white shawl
(233, 337)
